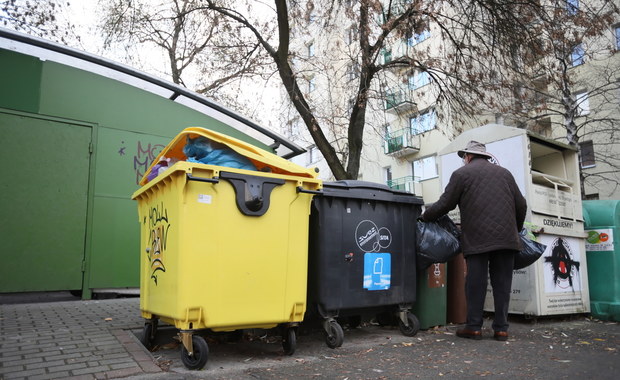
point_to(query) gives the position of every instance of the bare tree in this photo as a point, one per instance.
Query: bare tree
(204, 51)
(568, 85)
(39, 18)
(478, 35)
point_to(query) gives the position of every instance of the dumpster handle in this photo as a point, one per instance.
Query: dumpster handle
(210, 180)
(302, 190)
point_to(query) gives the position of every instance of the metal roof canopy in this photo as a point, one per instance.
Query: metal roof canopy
(49, 50)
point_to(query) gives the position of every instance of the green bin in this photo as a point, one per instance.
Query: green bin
(602, 223)
(431, 298)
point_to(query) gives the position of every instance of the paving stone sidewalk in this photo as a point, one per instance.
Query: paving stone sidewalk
(72, 339)
(97, 340)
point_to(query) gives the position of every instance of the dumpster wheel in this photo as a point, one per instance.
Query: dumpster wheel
(289, 341)
(199, 356)
(334, 334)
(148, 333)
(413, 325)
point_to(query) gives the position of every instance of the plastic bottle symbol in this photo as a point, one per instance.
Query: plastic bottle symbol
(377, 271)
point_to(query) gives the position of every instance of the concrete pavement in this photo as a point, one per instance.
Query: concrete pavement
(96, 339)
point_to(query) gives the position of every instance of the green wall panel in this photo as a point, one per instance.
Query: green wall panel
(122, 159)
(87, 96)
(20, 78)
(43, 203)
(114, 259)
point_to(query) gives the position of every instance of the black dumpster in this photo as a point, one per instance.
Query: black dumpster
(362, 256)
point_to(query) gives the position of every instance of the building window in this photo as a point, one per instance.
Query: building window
(387, 56)
(388, 174)
(311, 85)
(423, 122)
(294, 127)
(587, 154)
(310, 49)
(572, 7)
(583, 103)
(313, 154)
(350, 35)
(418, 37)
(387, 129)
(617, 34)
(577, 56)
(353, 71)
(425, 168)
(418, 80)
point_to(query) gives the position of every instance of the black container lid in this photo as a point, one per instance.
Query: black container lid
(369, 191)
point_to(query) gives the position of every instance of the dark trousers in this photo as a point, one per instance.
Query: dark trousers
(498, 266)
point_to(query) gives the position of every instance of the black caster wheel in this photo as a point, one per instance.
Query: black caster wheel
(198, 358)
(289, 341)
(414, 325)
(335, 335)
(148, 334)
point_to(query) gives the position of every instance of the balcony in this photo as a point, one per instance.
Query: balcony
(401, 143)
(409, 184)
(399, 101)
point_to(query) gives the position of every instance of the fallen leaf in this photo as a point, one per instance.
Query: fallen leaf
(599, 339)
(170, 346)
(108, 319)
(583, 342)
(562, 361)
(407, 344)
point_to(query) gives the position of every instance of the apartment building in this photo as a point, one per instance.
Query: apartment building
(405, 124)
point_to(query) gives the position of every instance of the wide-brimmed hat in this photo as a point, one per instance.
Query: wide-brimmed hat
(475, 147)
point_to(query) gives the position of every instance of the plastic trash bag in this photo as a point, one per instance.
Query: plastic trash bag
(436, 242)
(532, 250)
(163, 165)
(204, 151)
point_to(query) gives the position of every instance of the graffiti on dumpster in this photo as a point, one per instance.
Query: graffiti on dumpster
(144, 157)
(158, 226)
(563, 264)
(370, 238)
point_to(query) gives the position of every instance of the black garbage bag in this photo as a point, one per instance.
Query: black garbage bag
(436, 242)
(532, 250)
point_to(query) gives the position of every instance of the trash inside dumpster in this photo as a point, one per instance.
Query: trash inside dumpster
(223, 248)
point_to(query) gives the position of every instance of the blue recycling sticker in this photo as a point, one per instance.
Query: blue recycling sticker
(377, 271)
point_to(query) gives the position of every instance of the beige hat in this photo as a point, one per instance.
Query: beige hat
(475, 147)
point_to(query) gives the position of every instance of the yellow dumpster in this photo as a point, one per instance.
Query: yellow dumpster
(223, 248)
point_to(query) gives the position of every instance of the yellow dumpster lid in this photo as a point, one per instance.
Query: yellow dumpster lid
(261, 158)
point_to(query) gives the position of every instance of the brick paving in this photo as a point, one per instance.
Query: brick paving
(73, 339)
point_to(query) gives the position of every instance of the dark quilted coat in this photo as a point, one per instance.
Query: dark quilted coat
(491, 206)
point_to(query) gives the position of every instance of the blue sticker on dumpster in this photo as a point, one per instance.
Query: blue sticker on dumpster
(377, 271)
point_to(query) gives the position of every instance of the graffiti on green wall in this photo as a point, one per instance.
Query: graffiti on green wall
(146, 153)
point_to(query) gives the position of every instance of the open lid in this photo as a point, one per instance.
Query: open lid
(262, 159)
